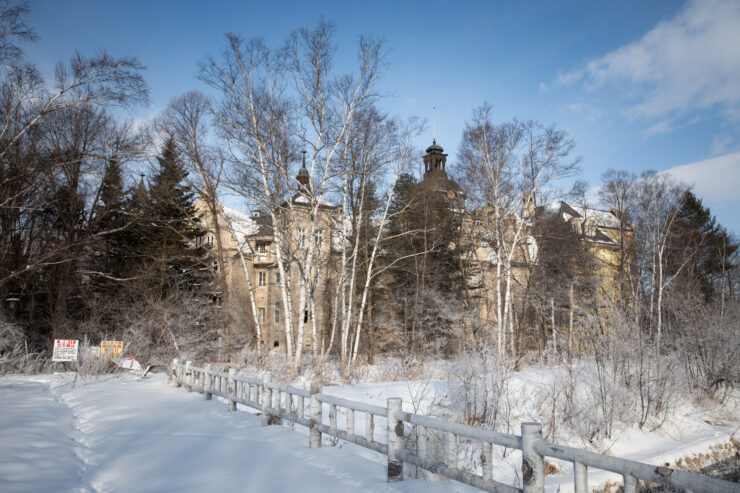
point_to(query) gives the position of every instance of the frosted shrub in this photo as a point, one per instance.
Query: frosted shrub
(706, 341)
(11, 346)
(480, 382)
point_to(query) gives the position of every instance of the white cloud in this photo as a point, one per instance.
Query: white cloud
(689, 62)
(662, 127)
(721, 144)
(714, 179)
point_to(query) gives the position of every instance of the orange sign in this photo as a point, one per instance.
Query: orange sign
(111, 349)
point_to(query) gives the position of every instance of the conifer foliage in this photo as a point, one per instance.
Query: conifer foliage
(178, 246)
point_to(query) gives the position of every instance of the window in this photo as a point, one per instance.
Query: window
(306, 316)
(261, 315)
(209, 241)
(215, 266)
(199, 240)
(302, 237)
(276, 313)
(261, 247)
(277, 276)
(276, 344)
(577, 227)
(590, 229)
(474, 281)
(318, 237)
(261, 278)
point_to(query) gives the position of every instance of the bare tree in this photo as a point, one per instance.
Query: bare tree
(656, 208)
(506, 165)
(271, 102)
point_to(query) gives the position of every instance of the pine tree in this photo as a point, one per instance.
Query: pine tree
(702, 248)
(179, 260)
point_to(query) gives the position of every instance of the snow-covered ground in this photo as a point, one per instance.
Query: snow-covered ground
(120, 433)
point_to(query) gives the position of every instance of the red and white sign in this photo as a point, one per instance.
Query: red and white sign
(65, 350)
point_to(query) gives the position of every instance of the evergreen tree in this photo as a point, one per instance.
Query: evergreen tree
(426, 288)
(179, 260)
(702, 249)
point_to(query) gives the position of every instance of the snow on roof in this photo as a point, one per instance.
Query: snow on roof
(240, 224)
(302, 199)
(338, 231)
(604, 219)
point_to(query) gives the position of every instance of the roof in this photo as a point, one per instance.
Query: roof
(434, 147)
(602, 219)
(240, 224)
(301, 198)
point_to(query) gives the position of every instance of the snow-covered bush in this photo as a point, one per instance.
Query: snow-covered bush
(14, 355)
(705, 339)
(480, 382)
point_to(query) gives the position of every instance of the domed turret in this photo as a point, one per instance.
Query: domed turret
(303, 177)
(435, 159)
(435, 183)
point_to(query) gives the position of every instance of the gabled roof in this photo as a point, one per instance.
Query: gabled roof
(241, 225)
(601, 219)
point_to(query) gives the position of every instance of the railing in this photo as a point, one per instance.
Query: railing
(289, 403)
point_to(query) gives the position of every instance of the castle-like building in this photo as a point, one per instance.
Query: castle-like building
(250, 253)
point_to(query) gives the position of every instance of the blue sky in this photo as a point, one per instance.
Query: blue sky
(639, 85)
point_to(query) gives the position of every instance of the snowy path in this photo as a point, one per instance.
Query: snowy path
(119, 434)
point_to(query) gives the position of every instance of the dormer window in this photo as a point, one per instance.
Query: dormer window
(590, 229)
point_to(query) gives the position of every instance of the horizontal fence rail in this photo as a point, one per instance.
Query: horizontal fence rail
(279, 402)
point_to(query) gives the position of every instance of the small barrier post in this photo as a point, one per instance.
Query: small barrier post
(395, 440)
(314, 435)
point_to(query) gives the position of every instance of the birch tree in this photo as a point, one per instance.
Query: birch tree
(656, 208)
(272, 102)
(506, 166)
(376, 152)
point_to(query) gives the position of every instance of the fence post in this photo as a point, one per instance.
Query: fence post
(395, 440)
(188, 376)
(581, 477)
(231, 389)
(314, 435)
(173, 374)
(266, 399)
(533, 464)
(207, 395)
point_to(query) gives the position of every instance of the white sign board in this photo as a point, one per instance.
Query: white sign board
(65, 350)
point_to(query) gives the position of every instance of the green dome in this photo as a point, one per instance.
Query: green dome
(303, 172)
(434, 147)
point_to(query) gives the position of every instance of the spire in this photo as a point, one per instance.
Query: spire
(303, 176)
(434, 120)
(141, 196)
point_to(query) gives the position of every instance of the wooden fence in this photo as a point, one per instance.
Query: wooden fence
(284, 402)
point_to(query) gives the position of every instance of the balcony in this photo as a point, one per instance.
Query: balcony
(263, 258)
